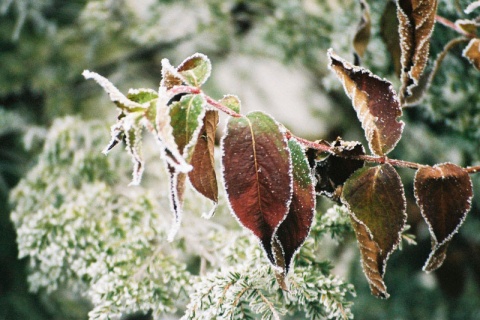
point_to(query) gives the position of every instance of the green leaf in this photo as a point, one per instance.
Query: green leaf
(257, 174)
(203, 177)
(232, 102)
(142, 95)
(375, 102)
(444, 194)
(186, 118)
(376, 201)
(195, 70)
(293, 231)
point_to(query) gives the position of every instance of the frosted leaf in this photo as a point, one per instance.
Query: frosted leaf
(115, 95)
(472, 6)
(165, 134)
(472, 53)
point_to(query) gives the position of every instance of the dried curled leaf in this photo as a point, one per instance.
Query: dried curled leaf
(363, 33)
(467, 26)
(390, 35)
(376, 201)
(375, 102)
(332, 171)
(472, 52)
(444, 194)
(293, 231)
(203, 176)
(416, 21)
(257, 175)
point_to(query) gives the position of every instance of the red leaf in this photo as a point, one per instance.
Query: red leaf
(443, 193)
(203, 176)
(376, 201)
(295, 228)
(257, 174)
(375, 102)
(416, 21)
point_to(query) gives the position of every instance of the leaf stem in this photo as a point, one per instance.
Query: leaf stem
(221, 107)
(449, 24)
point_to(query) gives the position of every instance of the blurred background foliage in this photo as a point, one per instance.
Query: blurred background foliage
(272, 53)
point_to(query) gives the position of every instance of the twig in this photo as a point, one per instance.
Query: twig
(449, 24)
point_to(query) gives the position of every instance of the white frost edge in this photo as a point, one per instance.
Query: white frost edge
(430, 229)
(282, 130)
(178, 214)
(472, 6)
(113, 92)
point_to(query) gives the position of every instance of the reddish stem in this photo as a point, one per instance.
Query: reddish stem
(221, 107)
(310, 144)
(449, 24)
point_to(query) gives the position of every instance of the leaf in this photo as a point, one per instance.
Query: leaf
(375, 102)
(472, 6)
(372, 260)
(164, 133)
(257, 175)
(293, 231)
(186, 118)
(444, 194)
(363, 33)
(468, 26)
(177, 190)
(472, 53)
(376, 201)
(133, 138)
(142, 95)
(390, 35)
(203, 176)
(232, 102)
(170, 76)
(332, 171)
(416, 21)
(186, 121)
(195, 70)
(116, 96)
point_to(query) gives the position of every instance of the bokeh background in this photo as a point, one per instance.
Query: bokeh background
(272, 54)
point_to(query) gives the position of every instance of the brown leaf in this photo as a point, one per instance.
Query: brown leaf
(472, 52)
(332, 171)
(444, 194)
(372, 261)
(203, 176)
(362, 35)
(416, 21)
(389, 34)
(257, 175)
(375, 102)
(375, 199)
